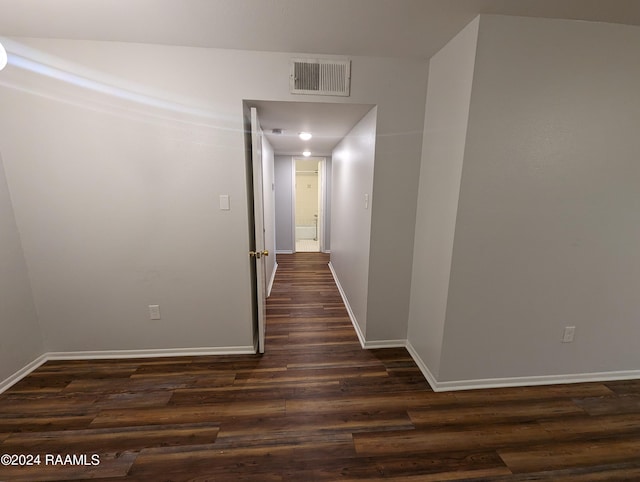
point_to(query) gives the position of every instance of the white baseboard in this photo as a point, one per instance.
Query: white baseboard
(536, 380)
(23, 372)
(273, 277)
(251, 350)
(371, 345)
(117, 354)
(422, 366)
(284, 251)
(517, 381)
(152, 353)
(352, 316)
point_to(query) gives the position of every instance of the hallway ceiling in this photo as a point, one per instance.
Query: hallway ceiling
(393, 28)
(328, 123)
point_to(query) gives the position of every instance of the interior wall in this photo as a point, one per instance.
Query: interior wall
(21, 340)
(547, 232)
(443, 147)
(115, 187)
(393, 208)
(284, 180)
(353, 163)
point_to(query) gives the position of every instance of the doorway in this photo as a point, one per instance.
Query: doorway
(308, 201)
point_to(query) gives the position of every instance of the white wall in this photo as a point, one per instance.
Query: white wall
(443, 147)
(352, 179)
(284, 173)
(117, 199)
(547, 230)
(20, 339)
(393, 208)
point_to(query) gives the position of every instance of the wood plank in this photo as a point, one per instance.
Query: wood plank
(111, 439)
(222, 462)
(542, 392)
(44, 422)
(479, 475)
(111, 465)
(426, 467)
(624, 387)
(503, 412)
(280, 427)
(599, 473)
(390, 401)
(611, 405)
(574, 454)
(186, 413)
(431, 441)
(55, 404)
(593, 426)
(311, 373)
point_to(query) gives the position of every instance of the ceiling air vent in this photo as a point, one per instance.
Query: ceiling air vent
(320, 77)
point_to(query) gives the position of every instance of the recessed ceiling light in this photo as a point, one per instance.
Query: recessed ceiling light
(306, 153)
(305, 136)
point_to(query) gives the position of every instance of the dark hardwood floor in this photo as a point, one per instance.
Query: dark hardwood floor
(315, 407)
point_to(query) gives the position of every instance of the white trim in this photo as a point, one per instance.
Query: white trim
(518, 381)
(327, 251)
(116, 354)
(537, 380)
(251, 350)
(284, 251)
(151, 353)
(321, 199)
(422, 366)
(371, 345)
(23, 372)
(293, 204)
(321, 203)
(352, 316)
(273, 277)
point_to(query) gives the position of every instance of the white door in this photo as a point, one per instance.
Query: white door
(258, 209)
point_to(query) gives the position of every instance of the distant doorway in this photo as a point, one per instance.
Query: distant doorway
(309, 181)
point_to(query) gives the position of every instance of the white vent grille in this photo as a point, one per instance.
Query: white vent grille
(320, 77)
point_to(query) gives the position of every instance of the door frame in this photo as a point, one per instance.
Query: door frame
(322, 198)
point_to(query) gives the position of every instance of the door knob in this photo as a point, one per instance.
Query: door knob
(259, 254)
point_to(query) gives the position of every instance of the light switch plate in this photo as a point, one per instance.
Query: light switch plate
(224, 202)
(568, 334)
(154, 312)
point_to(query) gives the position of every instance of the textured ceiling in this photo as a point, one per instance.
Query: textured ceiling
(385, 28)
(394, 28)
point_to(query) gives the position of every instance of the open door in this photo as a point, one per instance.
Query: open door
(258, 209)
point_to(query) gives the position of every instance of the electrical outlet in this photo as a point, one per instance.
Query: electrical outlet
(154, 312)
(569, 333)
